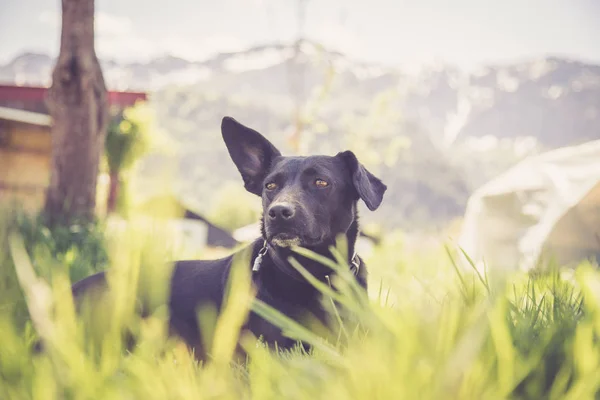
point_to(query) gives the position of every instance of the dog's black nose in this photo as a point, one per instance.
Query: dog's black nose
(281, 211)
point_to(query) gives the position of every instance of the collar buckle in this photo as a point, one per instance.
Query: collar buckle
(259, 257)
(355, 264)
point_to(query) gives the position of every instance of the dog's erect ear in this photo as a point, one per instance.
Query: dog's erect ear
(251, 153)
(369, 188)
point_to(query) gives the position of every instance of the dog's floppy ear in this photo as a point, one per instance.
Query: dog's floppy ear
(369, 188)
(251, 153)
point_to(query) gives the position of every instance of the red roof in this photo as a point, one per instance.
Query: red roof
(38, 94)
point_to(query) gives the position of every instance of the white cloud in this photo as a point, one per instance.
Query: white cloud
(128, 48)
(133, 47)
(106, 24)
(223, 43)
(117, 38)
(338, 37)
(49, 18)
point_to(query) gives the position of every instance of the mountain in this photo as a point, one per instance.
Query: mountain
(434, 135)
(27, 69)
(554, 100)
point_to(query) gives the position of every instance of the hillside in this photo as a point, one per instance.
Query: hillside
(433, 136)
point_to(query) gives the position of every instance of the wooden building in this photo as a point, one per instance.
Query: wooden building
(25, 149)
(33, 98)
(25, 142)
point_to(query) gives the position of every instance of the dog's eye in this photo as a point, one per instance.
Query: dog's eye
(321, 183)
(271, 185)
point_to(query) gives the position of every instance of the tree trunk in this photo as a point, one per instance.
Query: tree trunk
(77, 102)
(113, 192)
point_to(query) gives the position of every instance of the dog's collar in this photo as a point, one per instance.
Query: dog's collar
(354, 262)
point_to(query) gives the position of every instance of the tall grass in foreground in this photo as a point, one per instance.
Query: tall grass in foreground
(427, 331)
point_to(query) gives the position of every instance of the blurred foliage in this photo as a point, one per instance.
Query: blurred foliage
(233, 207)
(132, 133)
(77, 250)
(427, 331)
(127, 139)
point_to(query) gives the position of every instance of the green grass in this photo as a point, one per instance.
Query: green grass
(427, 330)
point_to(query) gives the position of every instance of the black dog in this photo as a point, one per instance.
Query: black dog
(307, 202)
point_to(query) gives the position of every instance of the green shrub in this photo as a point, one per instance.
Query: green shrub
(76, 250)
(233, 207)
(427, 331)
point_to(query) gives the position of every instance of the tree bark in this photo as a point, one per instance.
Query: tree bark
(113, 192)
(77, 101)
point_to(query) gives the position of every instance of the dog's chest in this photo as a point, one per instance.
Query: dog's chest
(306, 312)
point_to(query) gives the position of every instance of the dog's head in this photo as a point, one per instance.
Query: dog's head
(307, 201)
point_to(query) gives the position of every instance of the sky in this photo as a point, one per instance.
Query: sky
(467, 33)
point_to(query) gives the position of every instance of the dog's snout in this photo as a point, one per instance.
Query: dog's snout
(281, 211)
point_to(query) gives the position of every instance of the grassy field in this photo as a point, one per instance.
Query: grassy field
(428, 330)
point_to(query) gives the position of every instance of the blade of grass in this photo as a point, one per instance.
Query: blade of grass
(292, 329)
(464, 288)
(472, 264)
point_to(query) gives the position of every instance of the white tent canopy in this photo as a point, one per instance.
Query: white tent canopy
(544, 209)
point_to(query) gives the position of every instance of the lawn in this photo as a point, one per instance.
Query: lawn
(428, 330)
